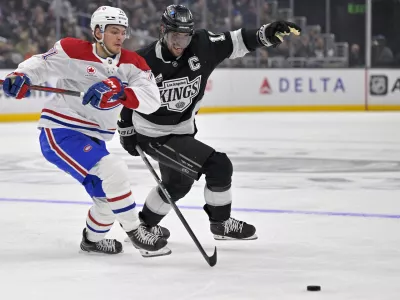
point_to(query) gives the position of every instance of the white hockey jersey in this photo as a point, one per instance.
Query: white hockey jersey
(76, 65)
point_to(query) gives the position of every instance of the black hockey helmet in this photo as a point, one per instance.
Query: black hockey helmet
(177, 18)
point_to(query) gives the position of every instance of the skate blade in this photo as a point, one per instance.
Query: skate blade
(84, 252)
(162, 252)
(227, 238)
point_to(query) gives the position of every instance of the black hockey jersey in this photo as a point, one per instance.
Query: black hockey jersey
(182, 80)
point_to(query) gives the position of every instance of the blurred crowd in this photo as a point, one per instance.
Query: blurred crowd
(28, 27)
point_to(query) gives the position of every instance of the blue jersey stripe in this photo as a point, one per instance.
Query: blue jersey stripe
(74, 126)
(121, 210)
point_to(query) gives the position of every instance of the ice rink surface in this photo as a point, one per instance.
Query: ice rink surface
(322, 189)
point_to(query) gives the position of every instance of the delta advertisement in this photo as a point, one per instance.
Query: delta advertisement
(286, 87)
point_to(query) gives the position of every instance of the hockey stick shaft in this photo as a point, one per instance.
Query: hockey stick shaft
(52, 90)
(211, 260)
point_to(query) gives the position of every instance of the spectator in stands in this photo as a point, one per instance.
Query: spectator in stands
(319, 50)
(248, 13)
(265, 14)
(6, 55)
(355, 59)
(382, 56)
(29, 26)
(314, 33)
(302, 47)
(263, 57)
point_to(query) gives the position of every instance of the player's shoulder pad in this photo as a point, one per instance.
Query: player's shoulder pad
(200, 38)
(200, 33)
(78, 49)
(130, 57)
(206, 36)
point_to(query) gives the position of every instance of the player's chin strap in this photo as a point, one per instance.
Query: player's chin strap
(101, 42)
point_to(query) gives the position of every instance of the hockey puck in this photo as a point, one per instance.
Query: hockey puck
(313, 288)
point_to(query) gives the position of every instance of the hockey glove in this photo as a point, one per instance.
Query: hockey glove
(272, 34)
(17, 85)
(105, 94)
(127, 137)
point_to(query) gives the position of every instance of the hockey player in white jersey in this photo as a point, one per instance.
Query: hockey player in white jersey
(74, 130)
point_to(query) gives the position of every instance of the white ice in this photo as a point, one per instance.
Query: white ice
(287, 167)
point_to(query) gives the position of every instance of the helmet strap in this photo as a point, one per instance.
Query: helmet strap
(105, 48)
(101, 42)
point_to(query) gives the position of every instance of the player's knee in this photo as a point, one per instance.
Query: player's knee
(218, 170)
(176, 191)
(113, 172)
(111, 166)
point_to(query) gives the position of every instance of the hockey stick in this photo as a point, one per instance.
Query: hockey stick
(211, 260)
(52, 90)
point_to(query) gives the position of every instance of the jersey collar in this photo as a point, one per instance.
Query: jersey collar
(115, 58)
(163, 53)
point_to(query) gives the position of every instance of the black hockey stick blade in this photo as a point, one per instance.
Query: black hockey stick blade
(212, 260)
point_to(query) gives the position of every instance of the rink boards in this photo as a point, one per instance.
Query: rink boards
(252, 90)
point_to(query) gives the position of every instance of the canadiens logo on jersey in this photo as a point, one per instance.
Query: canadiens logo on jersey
(87, 148)
(178, 94)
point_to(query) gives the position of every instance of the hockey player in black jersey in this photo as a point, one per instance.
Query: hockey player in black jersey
(181, 61)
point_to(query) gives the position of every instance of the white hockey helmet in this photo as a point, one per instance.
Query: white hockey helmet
(107, 15)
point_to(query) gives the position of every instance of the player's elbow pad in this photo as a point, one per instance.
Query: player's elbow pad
(156, 99)
(131, 101)
(151, 103)
(145, 101)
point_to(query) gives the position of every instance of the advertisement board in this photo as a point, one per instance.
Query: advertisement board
(383, 88)
(245, 90)
(286, 88)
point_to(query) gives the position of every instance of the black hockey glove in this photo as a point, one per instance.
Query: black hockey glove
(127, 137)
(272, 34)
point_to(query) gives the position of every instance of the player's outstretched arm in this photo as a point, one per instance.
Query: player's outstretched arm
(142, 93)
(35, 70)
(238, 43)
(268, 35)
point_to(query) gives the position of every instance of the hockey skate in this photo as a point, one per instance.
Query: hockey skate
(158, 230)
(148, 243)
(230, 229)
(106, 246)
(233, 229)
